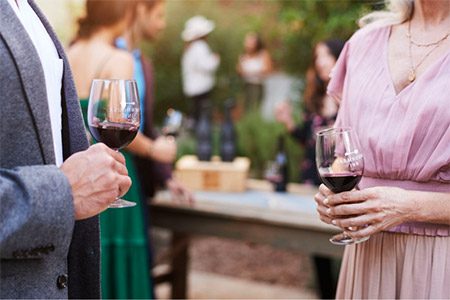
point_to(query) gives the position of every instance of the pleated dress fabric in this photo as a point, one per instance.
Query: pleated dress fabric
(405, 140)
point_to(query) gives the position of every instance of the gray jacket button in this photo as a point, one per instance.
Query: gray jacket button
(61, 282)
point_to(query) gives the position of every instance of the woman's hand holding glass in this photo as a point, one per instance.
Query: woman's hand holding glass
(340, 164)
(368, 211)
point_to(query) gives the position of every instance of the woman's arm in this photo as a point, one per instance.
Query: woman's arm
(375, 209)
(283, 114)
(162, 149)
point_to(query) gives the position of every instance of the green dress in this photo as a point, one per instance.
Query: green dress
(124, 243)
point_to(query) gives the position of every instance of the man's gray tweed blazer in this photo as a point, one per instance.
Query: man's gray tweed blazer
(44, 253)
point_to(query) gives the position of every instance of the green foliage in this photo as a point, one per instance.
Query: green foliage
(233, 20)
(290, 30)
(304, 23)
(256, 139)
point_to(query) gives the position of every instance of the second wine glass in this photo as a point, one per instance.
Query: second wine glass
(114, 116)
(340, 164)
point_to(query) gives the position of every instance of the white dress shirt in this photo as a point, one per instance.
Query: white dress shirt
(51, 64)
(199, 66)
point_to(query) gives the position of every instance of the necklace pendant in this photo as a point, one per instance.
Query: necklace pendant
(412, 76)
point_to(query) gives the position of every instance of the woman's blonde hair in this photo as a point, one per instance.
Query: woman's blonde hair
(398, 11)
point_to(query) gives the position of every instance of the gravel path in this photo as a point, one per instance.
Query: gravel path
(244, 260)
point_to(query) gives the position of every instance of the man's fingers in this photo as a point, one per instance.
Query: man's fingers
(124, 184)
(120, 168)
(114, 154)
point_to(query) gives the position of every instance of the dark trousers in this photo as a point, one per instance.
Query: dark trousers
(200, 103)
(326, 276)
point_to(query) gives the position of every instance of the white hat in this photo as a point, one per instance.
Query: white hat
(197, 27)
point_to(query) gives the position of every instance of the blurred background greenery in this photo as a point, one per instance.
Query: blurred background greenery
(290, 29)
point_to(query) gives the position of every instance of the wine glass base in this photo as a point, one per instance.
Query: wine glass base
(347, 240)
(120, 203)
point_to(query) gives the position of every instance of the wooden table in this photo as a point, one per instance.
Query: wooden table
(285, 220)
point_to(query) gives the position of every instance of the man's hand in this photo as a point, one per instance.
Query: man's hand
(97, 176)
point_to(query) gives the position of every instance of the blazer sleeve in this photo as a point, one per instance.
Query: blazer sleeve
(36, 212)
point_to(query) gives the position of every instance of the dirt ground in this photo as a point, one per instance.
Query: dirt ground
(242, 260)
(251, 261)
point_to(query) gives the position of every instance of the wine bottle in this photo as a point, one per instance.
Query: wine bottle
(281, 160)
(203, 132)
(228, 134)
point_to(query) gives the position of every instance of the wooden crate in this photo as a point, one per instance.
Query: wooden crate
(214, 175)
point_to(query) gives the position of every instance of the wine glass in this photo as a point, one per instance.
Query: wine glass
(172, 122)
(272, 172)
(114, 116)
(340, 164)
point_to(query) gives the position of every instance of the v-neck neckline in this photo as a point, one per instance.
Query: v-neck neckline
(418, 78)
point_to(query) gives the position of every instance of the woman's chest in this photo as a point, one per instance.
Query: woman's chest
(407, 63)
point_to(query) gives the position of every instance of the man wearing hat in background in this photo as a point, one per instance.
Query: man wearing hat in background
(199, 63)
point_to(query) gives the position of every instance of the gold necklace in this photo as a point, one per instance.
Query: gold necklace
(436, 44)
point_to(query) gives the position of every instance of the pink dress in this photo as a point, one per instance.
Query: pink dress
(405, 139)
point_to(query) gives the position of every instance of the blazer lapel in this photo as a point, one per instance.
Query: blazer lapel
(32, 76)
(73, 131)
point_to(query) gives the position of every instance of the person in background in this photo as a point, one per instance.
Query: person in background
(124, 241)
(199, 64)
(320, 109)
(154, 168)
(320, 112)
(52, 184)
(254, 66)
(392, 83)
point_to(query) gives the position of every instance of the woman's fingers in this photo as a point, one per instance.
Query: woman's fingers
(349, 197)
(361, 232)
(354, 209)
(319, 198)
(321, 207)
(340, 236)
(323, 214)
(324, 190)
(358, 221)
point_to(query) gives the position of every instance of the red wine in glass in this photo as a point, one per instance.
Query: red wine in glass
(114, 116)
(340, 182)
(114, 135)
(340, 165)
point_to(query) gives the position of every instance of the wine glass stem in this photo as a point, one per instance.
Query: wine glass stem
(119, 202)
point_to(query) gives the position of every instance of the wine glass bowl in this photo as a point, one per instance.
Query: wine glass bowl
(272, 172)
(340, 165)
(114, 116)
(172, 123)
